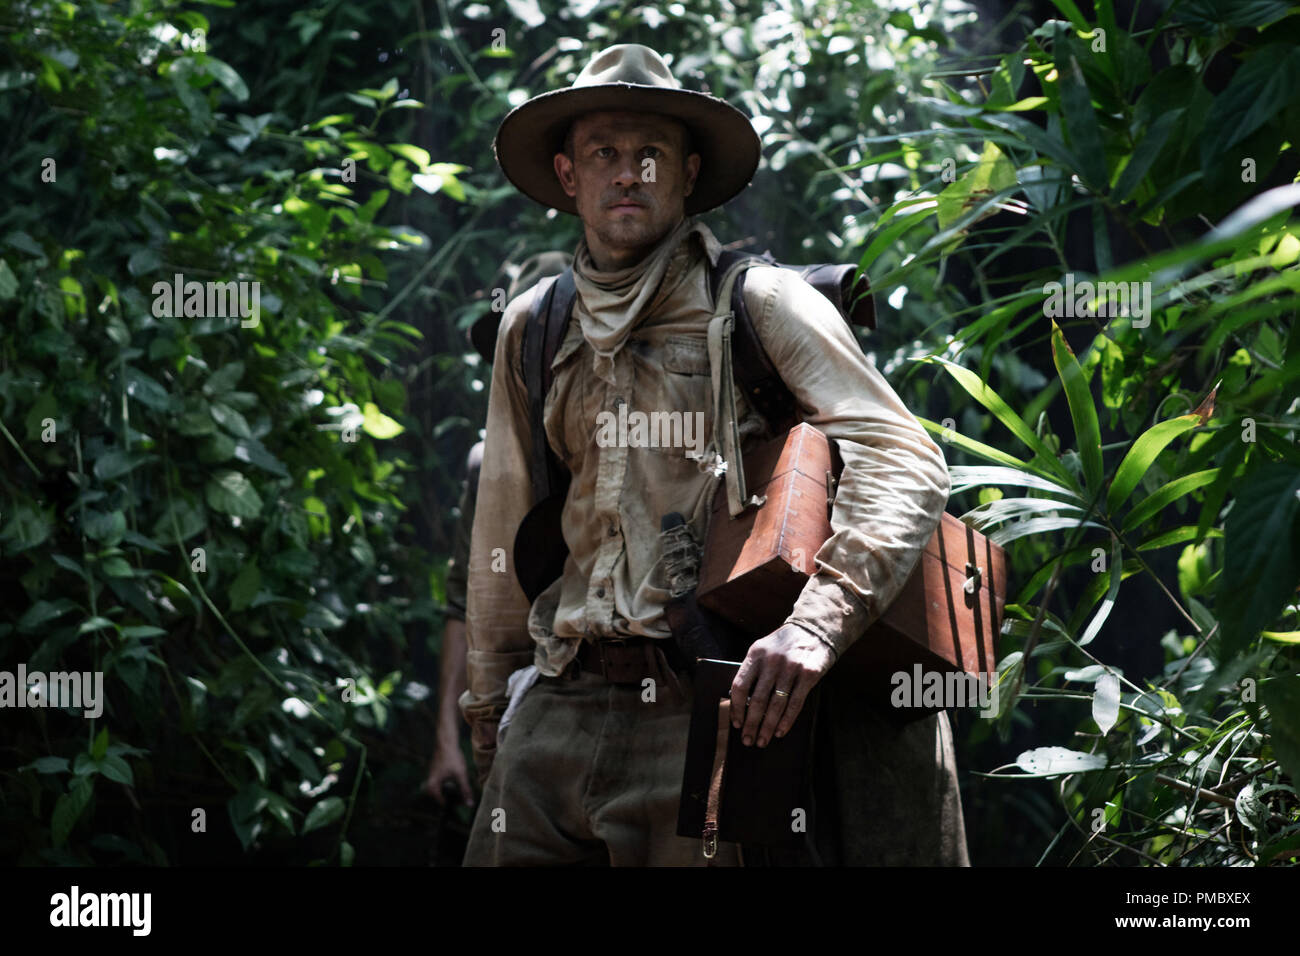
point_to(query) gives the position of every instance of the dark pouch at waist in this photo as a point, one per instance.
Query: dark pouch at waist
(766, 793)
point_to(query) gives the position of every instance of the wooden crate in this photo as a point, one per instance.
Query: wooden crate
(755, 566)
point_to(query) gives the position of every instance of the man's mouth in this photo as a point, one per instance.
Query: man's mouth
(626, 204)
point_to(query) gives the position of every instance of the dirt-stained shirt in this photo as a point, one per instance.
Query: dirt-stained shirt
(890, 498)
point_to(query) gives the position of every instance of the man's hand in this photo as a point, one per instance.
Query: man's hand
(448, 764)
(774, 681)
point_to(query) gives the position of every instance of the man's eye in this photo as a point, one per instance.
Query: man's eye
(651, 151)
(605, 152)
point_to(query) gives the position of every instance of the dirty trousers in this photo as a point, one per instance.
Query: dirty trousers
(590, 773)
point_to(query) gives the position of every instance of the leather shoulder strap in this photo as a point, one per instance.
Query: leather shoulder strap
(544, 331)
(754, 371)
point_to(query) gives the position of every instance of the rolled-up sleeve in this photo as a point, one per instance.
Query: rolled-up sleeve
(894, 485)
(497, 609)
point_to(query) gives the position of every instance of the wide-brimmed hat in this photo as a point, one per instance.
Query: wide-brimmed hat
(634, 78)
(483, 333)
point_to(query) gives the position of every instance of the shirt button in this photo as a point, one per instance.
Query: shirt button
(600, 592)
(613, 530)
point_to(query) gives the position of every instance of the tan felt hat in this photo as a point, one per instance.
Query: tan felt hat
(634, 78)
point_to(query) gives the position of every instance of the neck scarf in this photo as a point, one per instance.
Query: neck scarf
(614, 303)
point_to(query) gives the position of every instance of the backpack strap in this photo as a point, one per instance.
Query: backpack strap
(548, 319)
(753, 370)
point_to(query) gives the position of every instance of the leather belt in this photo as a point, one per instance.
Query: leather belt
(628, 660)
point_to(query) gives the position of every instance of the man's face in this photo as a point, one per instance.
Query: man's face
(626, 203)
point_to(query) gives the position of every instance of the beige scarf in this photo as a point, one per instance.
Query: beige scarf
(612, 304)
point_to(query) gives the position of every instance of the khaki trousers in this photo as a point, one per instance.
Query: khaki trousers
(590, 773)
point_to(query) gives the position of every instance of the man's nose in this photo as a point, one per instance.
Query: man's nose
(627, 172)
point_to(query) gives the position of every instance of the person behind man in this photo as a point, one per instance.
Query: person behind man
(448, 763)
(590, 769)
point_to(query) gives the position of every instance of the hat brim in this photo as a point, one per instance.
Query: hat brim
(532, 133)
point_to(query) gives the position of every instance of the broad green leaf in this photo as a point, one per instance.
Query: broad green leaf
(8, 282)
(1105, 702)
(323, 814)
(230, 492)
(41, 612)
(245, 586)
(1139, 458)
(1260, 89)
(1261, 552)
(1079, 116)
(146, 390)
(378, 425)
(68, 809)
(1054, 761)
(107, 527)
(225, 74)
(1281, 695)
(1086, 430)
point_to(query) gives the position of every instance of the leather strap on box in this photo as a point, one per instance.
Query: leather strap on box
(716, 780)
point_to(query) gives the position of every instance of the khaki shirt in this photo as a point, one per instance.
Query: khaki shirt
(891, 494)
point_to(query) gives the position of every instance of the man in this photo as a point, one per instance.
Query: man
(448, 763)
(590, 769)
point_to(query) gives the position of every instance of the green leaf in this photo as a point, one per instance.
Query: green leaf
(1079, 115)
(114, 463)
(1281, 695)
(107, 527)
(245, 586)
(223, 379)
(965, 477)
(68, 809)
(378, 425)
(8, 282)
(1258, 93)
(49, 765)
(1145, 154)
(990, 399)
(1166, 495)
(1112, 592)
(323, 814)
(1054, 761)
(117, 770)
(415, 154)
(1140, 456)
(43, 611)
(1261, 563)
(1019, 529)
(1105, 702)
(1086, 430)
(987, 452)
(146, 390)
(230, 492)
(225, 74)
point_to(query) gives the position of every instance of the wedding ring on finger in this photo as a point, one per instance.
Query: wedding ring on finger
(780, 693)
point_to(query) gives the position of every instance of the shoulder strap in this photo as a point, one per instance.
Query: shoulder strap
(548, 319)
(753, 370)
